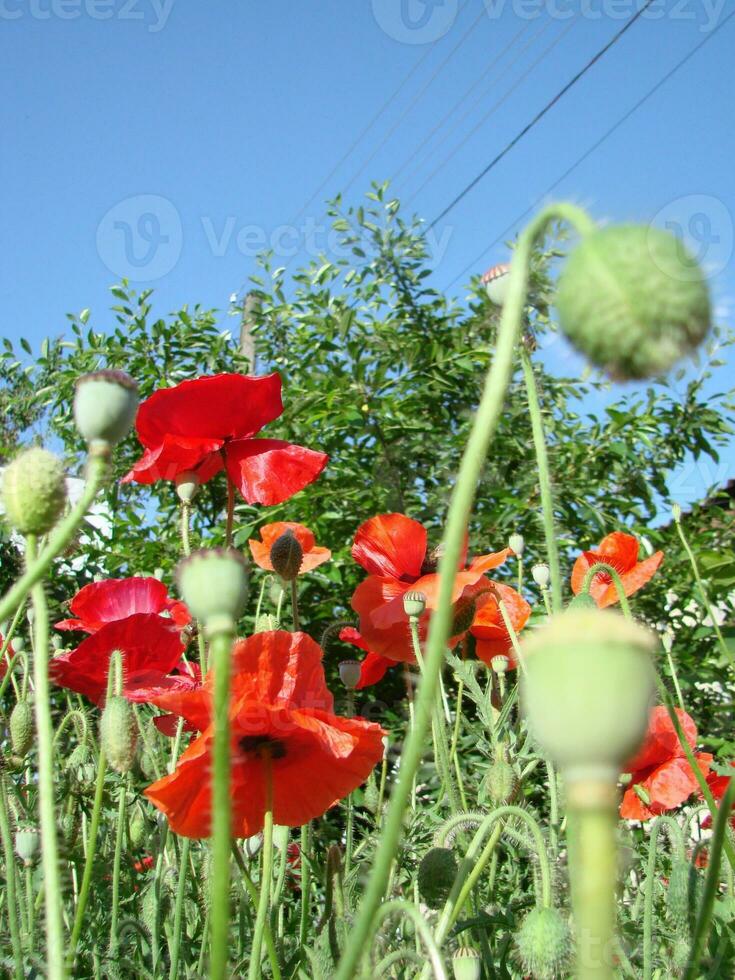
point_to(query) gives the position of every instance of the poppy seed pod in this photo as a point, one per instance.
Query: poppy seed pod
(633, 300)
(105, 403)
(214, 585)
(495, 281)
(437, 871)
(466, 964)
(414, 604)
(541, 575)
(34, 491)
(516, 543)
(543, 943)
(118, 736)
(26, 844)
(21, 728)
(587, 689)
(349, 673)
(187, 486)
(286, 556)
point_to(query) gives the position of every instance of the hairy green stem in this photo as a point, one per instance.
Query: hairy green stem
(253, 893)
(399, 906)
(10, 880)
(677, 843)
(295, 605)
(221, 647)
(175, 947)
(261, 918)
(305, 882)
(119, 836)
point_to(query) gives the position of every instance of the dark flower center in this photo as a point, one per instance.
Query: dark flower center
(262, 744)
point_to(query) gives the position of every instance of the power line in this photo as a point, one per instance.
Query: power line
(540, 115)
(595, 146)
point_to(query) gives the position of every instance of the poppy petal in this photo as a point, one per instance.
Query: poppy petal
(104, 602)
(622, 548)
(269, 471)
(175, 455)
(313, 556)
(391, 545)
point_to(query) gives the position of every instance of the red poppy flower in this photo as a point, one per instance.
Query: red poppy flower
(209, 424)
(718, 785)
(145, 864)
(100, 603)
(5, 661)
(279, 701)
(269, 533)
(184, 677)
(392, 548)
(661, 769)
(151, 647)
(492, 638)
(373, 667)
(620, 551)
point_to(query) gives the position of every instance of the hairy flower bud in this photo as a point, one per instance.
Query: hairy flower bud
(587, 690)
(543, 943)
(414, 603)
(466, 964)
(633, 300)
(349, 673)
(437, 871)
(677, 894)
(105, 403)
(501, 782)
(118, 733)
(21, 728)
(541, 575)
(187, 486)
(214, 586)
(34, 491)
(286, 555)
(516, 543)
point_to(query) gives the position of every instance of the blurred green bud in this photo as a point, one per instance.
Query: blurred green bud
(187, 486)
(21, 728)
(633, 300)
(286, 555)
(466, 964)
(516, 543)
(34, 491)
(587, 690)
(137, 828)
(214, 586)
(437, 871)
(105, 403)
(349, 673)
(414, 603)
(543, 943)
(118, 734)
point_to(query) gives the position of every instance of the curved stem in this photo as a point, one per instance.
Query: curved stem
(10, 879)
(221, 645)
(603, 567)
(266, 871)
(544, 479)
(398, 906)
(473, 460)
(58, 540)
(44, 733)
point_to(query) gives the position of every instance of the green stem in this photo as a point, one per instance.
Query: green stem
(230, 513)
(253, 893)
(703, 591)
(10, 879)
(295, 605)
(119, 836)
(185, 537)
(305, 882)
(284, 834)
(221, 645)
(179, 909)
(677, 841)
(44, 733)
(544, 479)
(473, 461)
(399, 906)
(266, 870)
(9, 675)
(602, 567)
(58, 540)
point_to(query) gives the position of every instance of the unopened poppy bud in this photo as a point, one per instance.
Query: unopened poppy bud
(495, 281)
(437, 871)
(137, 827)
(541, 575)
(349, 673)
(34, 491)
(214, 586)
(21, 728)
(466, 964)
(19, 644)
(286, 555)
(31, 615)
(642, 793)
(516, 543)
(252, 845)
(371, 796)
(633, 300)
(105, 403)
(667, 639)
(26, 844)
(501, 781)
(543, 943)
(587, 690)
(117, 733)
(676, 512)
(414, 604)
(677, 894)
(187, 486)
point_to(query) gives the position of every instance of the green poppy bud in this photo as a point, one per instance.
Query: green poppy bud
(286, 555)
(26, 843)
(371, 795)
(214, 586)
(677, 894)
(349, 673)
(543, 943)
(587, 690)
(137, 827)
(105, 403)
(501, 782)
(34, 491)
(21, 728)
(118, 734)
(541, 575)
(633, 300)
(414, 604)
(437, 871)
(516, 543)
(187, 486)
(463, 613)
(466, 964)
(582, 601)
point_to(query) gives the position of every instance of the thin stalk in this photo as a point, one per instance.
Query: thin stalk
(185, 521)
(401, 907)
(221, 646)
(677, 841)
(253, 893)
(544, 480)
(284, 833)
(9, 672)
(10, 880)
(305, 882)
(295, 605)
(266, 870)
(463, 494)
(179, 909)
(230, 513)
(55, 964)
(119, 837)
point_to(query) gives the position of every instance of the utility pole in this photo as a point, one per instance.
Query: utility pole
(250, 308)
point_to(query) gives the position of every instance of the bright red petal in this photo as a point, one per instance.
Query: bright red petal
(674, 781)
(280, 668)
(269, 471)
(105, 602)
(621, 548)
(372, 595)
(633, 807)
(373, 669)
(175, 455)
(484, 563)
(661, 741)
(391, 545)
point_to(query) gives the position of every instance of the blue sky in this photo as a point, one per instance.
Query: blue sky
(168, 139)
